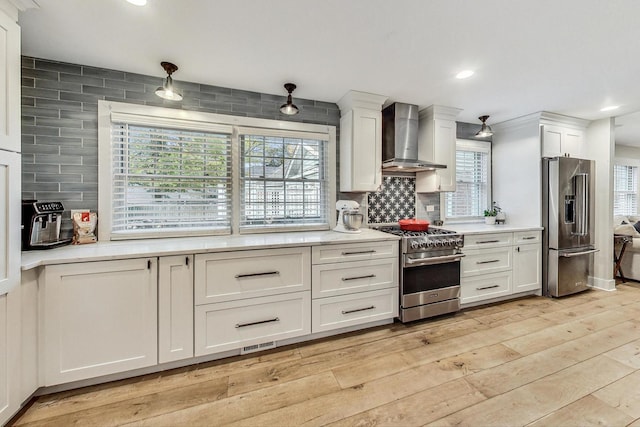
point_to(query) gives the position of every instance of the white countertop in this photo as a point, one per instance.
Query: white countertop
(103, 251)
(480, 228)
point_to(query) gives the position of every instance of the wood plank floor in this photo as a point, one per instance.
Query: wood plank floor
(534, 361)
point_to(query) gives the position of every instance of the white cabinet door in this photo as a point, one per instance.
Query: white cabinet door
(360, 141)
(561, 141)
(573, 143)
(351, 277)
(485, 287)
(437, 143)
(445, 153)
(9, 84)
(10, 360)
(361, 150)
(527, 266)
(9, 221)
(99, 318)
(175, 308)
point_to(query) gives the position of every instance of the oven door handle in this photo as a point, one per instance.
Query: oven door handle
(415, 262)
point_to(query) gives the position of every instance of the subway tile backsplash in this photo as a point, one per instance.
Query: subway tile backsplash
(60, 120)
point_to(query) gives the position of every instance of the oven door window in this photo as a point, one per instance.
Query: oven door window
(430, 277)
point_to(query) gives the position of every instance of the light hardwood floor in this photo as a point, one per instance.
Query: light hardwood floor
(533, 361)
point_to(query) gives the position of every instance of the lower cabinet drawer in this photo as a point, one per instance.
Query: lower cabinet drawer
(235, 324)
(354, 309)
(357, 276)
(481, 261)
(485, 286)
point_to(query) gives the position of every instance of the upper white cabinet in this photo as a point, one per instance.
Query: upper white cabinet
(360, 141)
(437, 143)
(9, 83)
(562, 141)
(99, 318)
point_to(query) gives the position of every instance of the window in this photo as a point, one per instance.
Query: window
(167, 172)
(283, 180)
(625, 189)
(473, 182)
(169, 179)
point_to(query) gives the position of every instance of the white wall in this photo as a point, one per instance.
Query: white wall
(516, 165)
(600, 146)
(625, 152)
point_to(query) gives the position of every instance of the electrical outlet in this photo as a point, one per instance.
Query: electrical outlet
(431, 208)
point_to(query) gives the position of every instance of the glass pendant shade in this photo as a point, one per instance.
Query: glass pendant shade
(485, 129)
(289, 108)
(167, 90)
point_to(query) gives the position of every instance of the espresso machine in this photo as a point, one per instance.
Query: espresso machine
(41, 223)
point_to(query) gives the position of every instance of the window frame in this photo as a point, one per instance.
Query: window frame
(628, 163)
(162, 116)
(484, 146)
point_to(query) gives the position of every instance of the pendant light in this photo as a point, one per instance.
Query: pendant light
(289, 108)
(167, 91)
(485, 129)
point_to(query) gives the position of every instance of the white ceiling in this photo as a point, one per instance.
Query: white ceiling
(570, 57)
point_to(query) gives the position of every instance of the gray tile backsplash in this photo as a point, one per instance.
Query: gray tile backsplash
(59, 116)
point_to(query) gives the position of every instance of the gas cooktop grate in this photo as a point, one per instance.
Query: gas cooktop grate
(406, 233)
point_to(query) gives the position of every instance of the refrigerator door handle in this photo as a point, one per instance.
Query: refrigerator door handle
(581, 183)
(574, 254)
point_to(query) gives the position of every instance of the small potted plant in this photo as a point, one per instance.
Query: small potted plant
(490, 215)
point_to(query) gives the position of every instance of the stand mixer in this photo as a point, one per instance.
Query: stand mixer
(349, 217)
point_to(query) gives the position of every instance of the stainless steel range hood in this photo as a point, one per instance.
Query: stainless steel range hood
(400, 140)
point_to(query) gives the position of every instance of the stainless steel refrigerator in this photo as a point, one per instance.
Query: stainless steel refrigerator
(568, 219)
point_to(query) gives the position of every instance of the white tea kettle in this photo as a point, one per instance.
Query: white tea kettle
(349, 217)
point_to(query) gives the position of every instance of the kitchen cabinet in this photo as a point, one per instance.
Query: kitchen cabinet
(249, 298)
(562, 141)
(98, 318)
(527, 259)
(499, 265)
(9, 83)
(229, 276)
(9, 221)
(437, 143)
(251, 323)
(360, 141)
(10, 360)
(175, 308)
(354, 284)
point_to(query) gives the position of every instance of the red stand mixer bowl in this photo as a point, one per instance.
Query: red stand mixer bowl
(414, 224)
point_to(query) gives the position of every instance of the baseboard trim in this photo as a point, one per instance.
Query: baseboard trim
(608, 285)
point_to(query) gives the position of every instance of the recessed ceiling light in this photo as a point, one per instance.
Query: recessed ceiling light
(138, 2)
(610, 107)
(465, 74)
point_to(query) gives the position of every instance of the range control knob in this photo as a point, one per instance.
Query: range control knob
(459, 241)
(415, 244)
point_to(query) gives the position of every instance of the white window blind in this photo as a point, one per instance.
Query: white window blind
(169, 181)
(625, 190)
(473, 183)
(283, 180)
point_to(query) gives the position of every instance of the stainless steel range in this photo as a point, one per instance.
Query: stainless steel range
(430, 274)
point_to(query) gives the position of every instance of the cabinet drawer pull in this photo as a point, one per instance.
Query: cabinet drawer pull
(371, 307)
(487, 287)
(242, 325)
(487, 262)
(359, 252)
(266, 273)
(369, 276)
(529, 238)
(487, 241)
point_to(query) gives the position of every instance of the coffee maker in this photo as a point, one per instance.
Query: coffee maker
(41, 223)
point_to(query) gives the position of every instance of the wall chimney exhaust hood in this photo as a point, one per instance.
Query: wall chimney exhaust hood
(400, 140)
